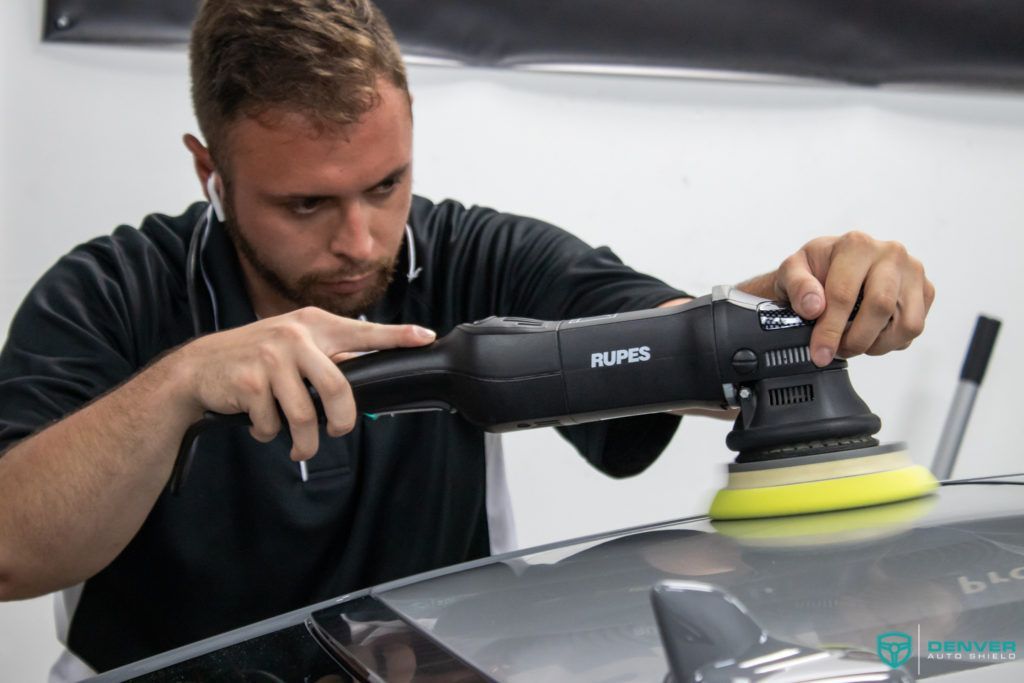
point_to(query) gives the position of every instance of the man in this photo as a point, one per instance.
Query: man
(322, 252)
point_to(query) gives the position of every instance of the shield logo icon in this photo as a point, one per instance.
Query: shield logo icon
(894, 648)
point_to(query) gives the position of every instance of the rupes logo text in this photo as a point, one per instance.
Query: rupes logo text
(606, 359)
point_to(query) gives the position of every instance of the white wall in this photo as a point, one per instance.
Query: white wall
(699, 183)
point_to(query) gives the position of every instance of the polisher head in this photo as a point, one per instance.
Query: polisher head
(836, 480)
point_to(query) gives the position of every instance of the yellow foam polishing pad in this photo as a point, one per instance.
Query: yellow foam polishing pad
(809, 484)
(838, 527)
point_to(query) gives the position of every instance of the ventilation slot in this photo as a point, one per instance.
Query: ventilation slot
(790, 395)
(794, 354)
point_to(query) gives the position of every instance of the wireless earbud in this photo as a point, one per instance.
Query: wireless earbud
(215, 199)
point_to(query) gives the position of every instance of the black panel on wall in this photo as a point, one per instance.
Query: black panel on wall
(959, 42)
(119, 21)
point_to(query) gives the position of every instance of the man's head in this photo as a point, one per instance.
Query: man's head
(305, 108)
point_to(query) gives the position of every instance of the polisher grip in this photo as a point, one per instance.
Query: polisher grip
(511, 373)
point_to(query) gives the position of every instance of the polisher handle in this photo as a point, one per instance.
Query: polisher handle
(510, 373)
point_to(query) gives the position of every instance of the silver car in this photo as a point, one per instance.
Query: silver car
(928, 588)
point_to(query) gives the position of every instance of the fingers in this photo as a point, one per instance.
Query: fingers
(291, 393)
(334, 334)
(262, 369)
(846, 275)
(266, 421)
(334, 390)
(372, 337)
(796, 283)
(881, 295)
(298, 409)
(309, 343)
(915, 299)
(896, 295)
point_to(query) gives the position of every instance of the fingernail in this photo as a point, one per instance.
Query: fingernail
(423, 332)
(822, 357)
(811, 303)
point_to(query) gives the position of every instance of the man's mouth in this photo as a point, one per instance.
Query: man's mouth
(348, 285)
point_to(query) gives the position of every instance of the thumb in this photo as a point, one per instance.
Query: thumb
(796, 283)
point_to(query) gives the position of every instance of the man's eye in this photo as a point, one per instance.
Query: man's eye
(306, 205)
(385, 187)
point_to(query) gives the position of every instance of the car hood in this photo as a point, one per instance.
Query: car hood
(947, 571)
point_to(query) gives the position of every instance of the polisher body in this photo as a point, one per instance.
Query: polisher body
(725, 349)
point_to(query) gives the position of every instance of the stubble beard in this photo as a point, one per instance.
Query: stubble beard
(310, 290)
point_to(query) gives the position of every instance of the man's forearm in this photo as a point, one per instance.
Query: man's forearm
(73, 495)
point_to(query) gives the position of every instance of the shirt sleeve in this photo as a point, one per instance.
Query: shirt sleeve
(534, 269)
(68, 343)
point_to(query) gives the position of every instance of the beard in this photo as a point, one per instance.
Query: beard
(311, 290)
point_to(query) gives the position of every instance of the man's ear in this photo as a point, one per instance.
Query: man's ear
(207, 174)
(201, 159)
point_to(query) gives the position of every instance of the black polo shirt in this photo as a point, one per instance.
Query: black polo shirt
(247, 539)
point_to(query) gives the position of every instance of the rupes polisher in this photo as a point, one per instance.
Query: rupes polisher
(804, 436)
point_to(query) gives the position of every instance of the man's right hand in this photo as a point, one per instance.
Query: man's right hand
(254, 368)
(74, 494)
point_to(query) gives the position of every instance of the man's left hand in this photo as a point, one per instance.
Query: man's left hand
(823, 280)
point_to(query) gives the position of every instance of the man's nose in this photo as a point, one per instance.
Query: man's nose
(351, 236)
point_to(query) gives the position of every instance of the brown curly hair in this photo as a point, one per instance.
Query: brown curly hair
(320, 58)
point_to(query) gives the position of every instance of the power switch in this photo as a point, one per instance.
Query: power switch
(508, 325)
(744, 361)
